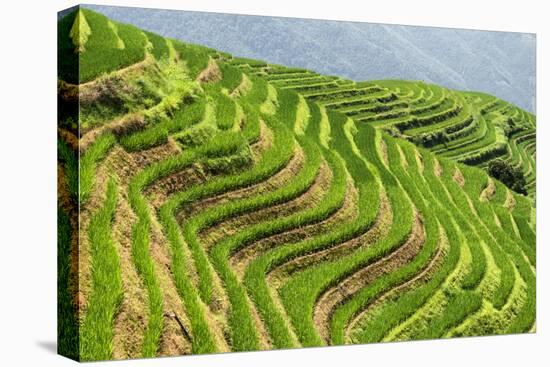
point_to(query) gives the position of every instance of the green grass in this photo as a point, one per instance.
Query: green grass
(141, 236)
(89, 161)
(417, 194)
(96, 332)
(69, 159)
(248, 235)
(185, 116)
(194, 56)
(231, 77)
(225, 111)
(271, 162)
(68, 337)
(101, 51)
(255, 277)
(160, 47)
(68, 60)
(434, 117)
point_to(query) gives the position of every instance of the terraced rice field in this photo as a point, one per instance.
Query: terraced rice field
(212, 204)
(470, 128)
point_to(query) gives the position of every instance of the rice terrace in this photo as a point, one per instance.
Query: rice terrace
(211, 203)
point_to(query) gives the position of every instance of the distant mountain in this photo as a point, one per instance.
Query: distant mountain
(499, 63)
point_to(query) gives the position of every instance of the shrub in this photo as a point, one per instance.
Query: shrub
(510, 176)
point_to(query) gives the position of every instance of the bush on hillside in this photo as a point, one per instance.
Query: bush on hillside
(509, 175)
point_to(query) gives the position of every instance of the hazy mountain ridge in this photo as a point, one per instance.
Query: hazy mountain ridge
(499, 63)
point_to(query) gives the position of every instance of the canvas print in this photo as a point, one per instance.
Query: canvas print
(241, 183)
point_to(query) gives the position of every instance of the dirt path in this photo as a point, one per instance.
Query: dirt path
(132, 318)
(69, 206)
(120, 126)
(458, 177)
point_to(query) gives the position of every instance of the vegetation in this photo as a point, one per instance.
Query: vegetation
(108, 46)
(67, 321)
(509, 175)
(232, 205)
(97, 328)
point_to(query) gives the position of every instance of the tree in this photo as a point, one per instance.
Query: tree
(509, 175)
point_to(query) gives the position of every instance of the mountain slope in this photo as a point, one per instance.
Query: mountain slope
(471, 128)
(211, 210)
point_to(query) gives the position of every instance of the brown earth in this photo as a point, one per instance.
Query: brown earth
(93, 203)
(438, 170)
(489, 191)
(211, 74)
(69, 138)
(124, 125)
(384, 152)
(458, 177)
(68, 205)
(510, 201)
(243, 88)
(133, 314)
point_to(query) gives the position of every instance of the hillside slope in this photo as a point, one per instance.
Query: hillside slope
(203, 209)
(468, 127)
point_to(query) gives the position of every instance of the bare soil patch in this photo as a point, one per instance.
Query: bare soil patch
(211, 74)
(263, 144)
(243, 88)
(124, 125)
(510, 201)
(93, 203)
(69, 138)
(458, 177)
(68, 205)
(438, 170)
(384, 152)
(489, 191)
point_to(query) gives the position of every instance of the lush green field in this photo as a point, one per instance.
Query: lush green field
(227, 204)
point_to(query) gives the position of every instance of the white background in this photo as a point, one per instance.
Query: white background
(28, 182)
